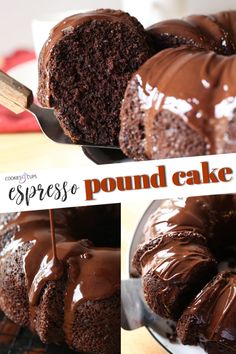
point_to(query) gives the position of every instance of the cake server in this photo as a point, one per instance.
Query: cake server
(19, 98)
(135, 312)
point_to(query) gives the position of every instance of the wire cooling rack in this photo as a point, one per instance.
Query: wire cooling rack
(19, 340)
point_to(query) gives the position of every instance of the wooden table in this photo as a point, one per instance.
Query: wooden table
(33, 151)
(139, 341)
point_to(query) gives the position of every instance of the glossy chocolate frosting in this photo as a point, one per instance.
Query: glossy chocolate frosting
(197, 86)
(207, 215)
(65, 28)
(214, 32)
(212, 313)
(177, 215)
(187, 85)
(174, 256)
(205, 228)
(92, 273)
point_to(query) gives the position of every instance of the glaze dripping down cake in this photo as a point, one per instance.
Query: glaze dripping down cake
(181, 102)
(74, 300)
(162, 92)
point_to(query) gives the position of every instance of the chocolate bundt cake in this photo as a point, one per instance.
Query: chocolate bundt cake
(186, 243)
(84, 68)
(181, 102)
(72, 297)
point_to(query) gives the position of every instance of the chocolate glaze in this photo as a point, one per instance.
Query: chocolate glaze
(174, 258)
(207, 225)
(214, 32)
(207, 215)
(191, 79)
(177, 215)
(213, 311)
(194, 84)
(68, 26)
(92, 273)
(174, 267)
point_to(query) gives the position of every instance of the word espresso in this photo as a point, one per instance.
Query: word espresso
(57, 191)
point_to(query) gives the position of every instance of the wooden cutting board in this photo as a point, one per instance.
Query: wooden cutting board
(139, 341)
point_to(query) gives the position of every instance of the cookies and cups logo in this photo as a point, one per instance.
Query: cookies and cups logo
(21, 179)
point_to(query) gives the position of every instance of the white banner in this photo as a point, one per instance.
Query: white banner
(150, 180)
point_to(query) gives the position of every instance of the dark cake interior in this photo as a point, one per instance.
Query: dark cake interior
(84, 69)
(166, 91)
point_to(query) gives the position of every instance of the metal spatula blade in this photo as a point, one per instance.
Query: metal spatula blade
(49, 124)
(135, 312)
(19, 98)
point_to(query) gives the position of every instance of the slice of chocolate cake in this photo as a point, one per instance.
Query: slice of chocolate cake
(211, 317)
(84, 68)
(174, 267)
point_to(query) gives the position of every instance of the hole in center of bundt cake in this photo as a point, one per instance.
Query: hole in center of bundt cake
(90, 71)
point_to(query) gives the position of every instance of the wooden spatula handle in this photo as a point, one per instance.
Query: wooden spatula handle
(14, 95)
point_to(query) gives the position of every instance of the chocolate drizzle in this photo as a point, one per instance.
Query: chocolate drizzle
(92, 273)
(210, 216)
(196, 86)
(182, 101)
(181, 235)
(213, 32)
(174, 257)
(190, 214)
(214, 310)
